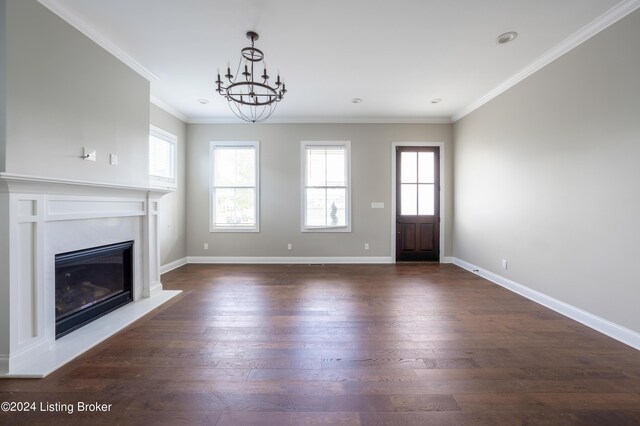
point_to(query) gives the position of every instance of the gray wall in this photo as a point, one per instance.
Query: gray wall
(547, 175)
(65, 92)
(172, 219)
(280, 188)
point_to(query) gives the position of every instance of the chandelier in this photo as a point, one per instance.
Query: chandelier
(250, 96)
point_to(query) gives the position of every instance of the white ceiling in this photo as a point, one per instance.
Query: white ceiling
(395, 55)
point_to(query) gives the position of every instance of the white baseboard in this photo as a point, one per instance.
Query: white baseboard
(4, 364)
(447, 259)
(155, 288)
(288, 260)
(595, 322)
(173, 265)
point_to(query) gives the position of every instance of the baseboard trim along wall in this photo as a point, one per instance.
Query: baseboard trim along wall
(615, 331)
(288, 260)
(281, 260)
(173, 265)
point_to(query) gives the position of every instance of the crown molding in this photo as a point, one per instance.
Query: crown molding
(328, 120)
(72, 18)
(169, 109)
(605, 20)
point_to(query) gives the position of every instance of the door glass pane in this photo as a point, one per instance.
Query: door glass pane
(408, 199)
(425, 167)
(426, 202)
(408, 167)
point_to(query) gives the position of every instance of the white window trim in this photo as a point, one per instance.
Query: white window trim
(303, 184)
(212, 212)
(157, 181)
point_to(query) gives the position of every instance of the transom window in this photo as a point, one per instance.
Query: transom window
(326, 192)
(234, 186)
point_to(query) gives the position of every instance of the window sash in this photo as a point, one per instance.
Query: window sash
(216, 223)
(339, 183)
(162, 156)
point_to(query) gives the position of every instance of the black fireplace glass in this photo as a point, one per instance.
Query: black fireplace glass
(91, 283)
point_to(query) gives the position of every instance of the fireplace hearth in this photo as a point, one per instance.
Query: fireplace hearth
(91, 283)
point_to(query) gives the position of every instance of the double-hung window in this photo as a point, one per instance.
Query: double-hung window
(326, 186)
(234, 186)
(162, 158)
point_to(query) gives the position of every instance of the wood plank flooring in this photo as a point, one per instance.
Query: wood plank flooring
(405, 344)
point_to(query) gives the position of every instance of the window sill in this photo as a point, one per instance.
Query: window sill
(339, 229)
(233, 230)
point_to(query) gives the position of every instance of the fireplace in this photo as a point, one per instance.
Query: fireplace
(91, 283)
(42, 219)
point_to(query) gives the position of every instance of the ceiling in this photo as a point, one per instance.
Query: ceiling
(396, 55)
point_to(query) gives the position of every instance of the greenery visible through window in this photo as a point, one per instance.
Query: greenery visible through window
(326, 186)
(234, 186)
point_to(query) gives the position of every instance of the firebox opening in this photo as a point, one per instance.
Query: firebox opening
(91, 283)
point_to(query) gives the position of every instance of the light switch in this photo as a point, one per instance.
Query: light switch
(377, 205)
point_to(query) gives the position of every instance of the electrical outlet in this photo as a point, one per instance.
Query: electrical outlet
(366, 246)
(113, 159)
(504, 263)
(289, 246)
(206, 246)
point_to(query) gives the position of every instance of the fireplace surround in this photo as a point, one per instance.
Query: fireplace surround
(41, 218)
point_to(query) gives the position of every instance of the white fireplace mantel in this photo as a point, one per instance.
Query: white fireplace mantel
(41, 217)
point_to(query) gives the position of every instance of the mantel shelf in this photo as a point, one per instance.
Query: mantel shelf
(10, 178)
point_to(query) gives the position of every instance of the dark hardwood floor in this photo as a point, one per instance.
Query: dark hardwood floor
(405, 344)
